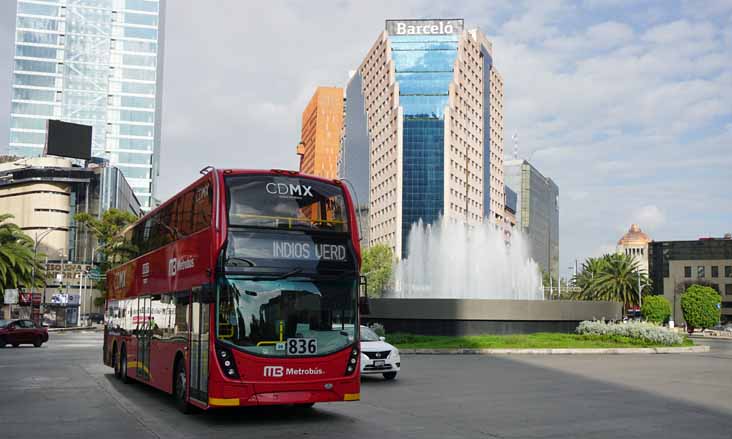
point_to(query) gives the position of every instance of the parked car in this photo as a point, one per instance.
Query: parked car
(95, 317)
(378, 356)
(17, 332)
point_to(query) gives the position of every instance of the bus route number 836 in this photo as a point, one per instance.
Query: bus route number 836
(302, 346)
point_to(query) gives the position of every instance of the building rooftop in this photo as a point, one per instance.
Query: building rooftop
(634, 236)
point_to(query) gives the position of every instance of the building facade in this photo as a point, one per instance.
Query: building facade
(43, 194)
(635, 244)
(320, 137)
(424, 121)
(537, 212)
(676, 265)
(92, 62)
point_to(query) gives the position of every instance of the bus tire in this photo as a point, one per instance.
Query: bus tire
(123, 366)
(115, 360)
(179, 388)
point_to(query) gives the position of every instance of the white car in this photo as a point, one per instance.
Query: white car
(378, 356)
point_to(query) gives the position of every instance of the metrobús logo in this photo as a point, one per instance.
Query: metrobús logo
(280, 371)
(292, 190)
(176, 265)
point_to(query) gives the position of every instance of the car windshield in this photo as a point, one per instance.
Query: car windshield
(290, 316)
(4, 323)
(367, 334)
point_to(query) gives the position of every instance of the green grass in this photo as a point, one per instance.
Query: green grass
(521, 341)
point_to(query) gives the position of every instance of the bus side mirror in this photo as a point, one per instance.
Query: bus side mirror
(363, 305)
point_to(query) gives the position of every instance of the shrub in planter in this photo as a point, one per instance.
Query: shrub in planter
(656, 309)
(637, 330)
(699, 305)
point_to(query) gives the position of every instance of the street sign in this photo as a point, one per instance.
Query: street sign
(11, 296)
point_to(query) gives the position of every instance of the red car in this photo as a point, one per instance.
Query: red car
(17, 332)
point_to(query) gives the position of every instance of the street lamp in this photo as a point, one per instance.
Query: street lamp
(36, 243)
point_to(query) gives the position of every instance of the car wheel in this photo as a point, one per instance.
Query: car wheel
(179, 389)
(123, 366)
(2, 342)
(37, 342)
(389, 375)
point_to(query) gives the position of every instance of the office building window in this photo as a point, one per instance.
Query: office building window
(700, 271)
(728, 271)
(715, 271)
(687, 271)
(728, 289)
(715, 287)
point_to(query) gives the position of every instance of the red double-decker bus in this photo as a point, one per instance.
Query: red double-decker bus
(243, 291)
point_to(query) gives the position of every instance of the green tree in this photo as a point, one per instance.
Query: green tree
(112, 246)
(700, 307)
(613, 277)
(19, 267)
(656, 309)
(378, 266)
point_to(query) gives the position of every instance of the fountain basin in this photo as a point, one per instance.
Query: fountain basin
(485, 316)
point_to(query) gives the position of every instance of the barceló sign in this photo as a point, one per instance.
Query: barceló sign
(424, 27)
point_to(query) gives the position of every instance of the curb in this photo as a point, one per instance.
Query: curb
(559, 351)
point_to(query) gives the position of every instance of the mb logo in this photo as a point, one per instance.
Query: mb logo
(274, 371)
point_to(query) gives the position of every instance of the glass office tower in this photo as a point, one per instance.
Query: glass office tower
(423, 132)
(93, 62)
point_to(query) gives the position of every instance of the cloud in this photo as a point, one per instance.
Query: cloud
(649, 217)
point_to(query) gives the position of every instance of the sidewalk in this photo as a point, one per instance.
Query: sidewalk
(77, 328)
(606, 351)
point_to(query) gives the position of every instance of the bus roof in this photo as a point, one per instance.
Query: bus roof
(219, 172)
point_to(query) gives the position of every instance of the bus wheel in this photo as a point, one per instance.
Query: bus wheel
(115, 361)
(179, 388)
(123, 366)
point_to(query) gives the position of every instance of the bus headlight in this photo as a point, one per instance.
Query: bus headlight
(227, 363)
(352, 361)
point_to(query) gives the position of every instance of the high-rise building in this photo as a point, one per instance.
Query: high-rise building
(424, 119)
(537, 212)
(93, 62)
(320, 138)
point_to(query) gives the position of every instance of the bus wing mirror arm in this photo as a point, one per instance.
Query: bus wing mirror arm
(364, 307)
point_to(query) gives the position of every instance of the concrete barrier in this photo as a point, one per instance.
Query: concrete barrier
(480, 316)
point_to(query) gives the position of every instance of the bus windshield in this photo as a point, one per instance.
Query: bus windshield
(295, 316)
(285, 203)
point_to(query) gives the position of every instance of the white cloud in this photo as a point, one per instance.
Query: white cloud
(649, 217)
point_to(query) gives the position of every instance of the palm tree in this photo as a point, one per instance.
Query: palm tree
(613, 277)
(18, 264)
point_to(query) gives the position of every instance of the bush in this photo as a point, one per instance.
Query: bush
(637, 330)
(699, 305)
(656, 309)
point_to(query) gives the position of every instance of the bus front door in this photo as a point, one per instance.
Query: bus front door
(144, 335)
(199, 346)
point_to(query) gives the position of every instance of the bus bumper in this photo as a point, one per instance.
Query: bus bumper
(285, 394)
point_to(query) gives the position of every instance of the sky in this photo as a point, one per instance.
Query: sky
(626, 105)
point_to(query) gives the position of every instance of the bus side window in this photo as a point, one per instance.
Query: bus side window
(182, 309)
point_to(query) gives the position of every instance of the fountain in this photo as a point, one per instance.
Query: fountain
(459, 280)
(449, 260)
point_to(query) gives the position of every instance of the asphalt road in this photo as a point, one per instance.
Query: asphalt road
(62, 390)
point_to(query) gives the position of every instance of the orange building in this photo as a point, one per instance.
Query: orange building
(320, 139)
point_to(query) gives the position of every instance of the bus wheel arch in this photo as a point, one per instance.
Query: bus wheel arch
(123, 364)
(179, 359)
(180, 384)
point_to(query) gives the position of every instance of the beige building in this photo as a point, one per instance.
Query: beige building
(429, 101)
(675, 265)
(635, 244)
(43, 194)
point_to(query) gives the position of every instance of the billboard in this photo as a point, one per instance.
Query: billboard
(67, 139)
(425, 27)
